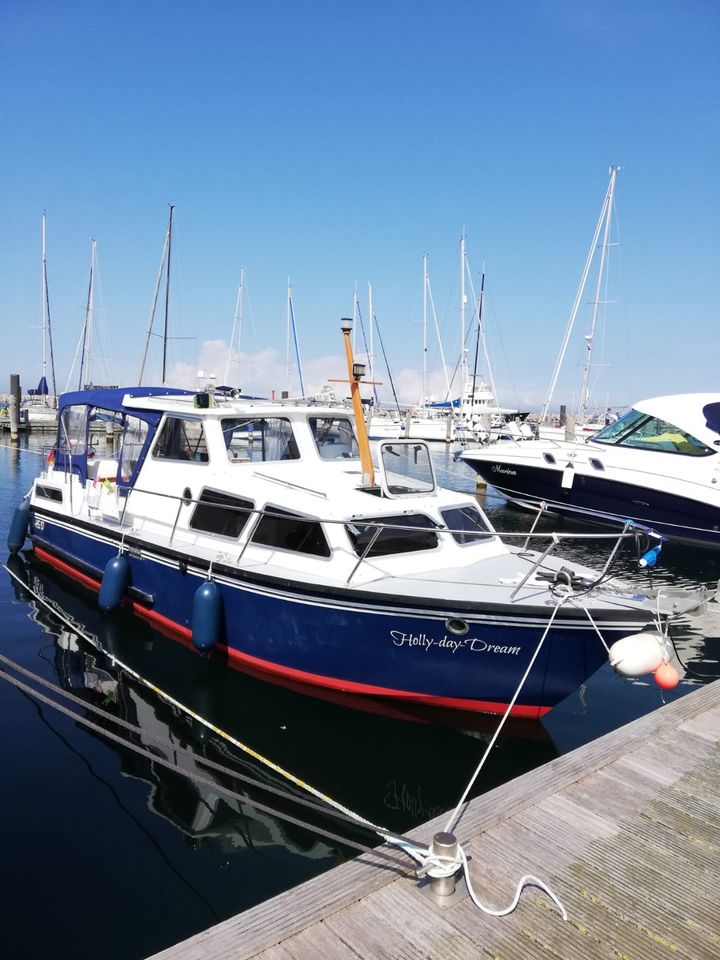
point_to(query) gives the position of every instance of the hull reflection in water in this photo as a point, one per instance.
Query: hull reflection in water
(390, 769)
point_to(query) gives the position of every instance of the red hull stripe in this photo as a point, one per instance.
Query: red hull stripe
(65, 568)
(176, 631)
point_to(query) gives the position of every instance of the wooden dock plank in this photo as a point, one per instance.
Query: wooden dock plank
(623, 829)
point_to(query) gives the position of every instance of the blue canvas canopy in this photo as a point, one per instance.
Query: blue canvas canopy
(42, 389)
(113, 399)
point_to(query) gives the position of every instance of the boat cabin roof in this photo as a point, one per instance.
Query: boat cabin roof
(171, 400)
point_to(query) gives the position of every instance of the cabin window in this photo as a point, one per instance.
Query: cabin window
(334, 437)
(643, 432)
(48, 493)
(259, 439)
(221, 514)
(72, 434)
(181, 438)
(289, 531)
(466, 523)
(402, 534)
(131, 445)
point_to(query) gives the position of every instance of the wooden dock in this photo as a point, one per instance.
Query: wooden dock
(625, 830)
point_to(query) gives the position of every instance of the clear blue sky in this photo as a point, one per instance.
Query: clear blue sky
(335, 143)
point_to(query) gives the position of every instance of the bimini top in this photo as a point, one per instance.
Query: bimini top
(112, 399)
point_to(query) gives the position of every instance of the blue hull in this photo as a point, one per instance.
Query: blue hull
(606, 501)
(347, 641)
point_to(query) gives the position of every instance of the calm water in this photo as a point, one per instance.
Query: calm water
(108, 853)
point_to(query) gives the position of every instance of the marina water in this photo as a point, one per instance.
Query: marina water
(107, 852)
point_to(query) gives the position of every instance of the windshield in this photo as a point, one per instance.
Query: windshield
(643, 432)
(384, 536)
(406, 469)
(466, 524)
(334, 437)
(259, 439)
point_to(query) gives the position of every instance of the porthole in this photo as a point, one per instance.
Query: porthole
(597, 464)
(187, 496)
(549, 458)
(457, 626)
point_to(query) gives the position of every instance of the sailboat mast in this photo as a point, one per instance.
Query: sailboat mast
(90, 316)
(44, 301)
(85, 352)
(167, 293)
(237, 324)
(477, 341)
(153, 308)
(354, 317)
(463, 299)
(590, 337)
(578, 296)
(287, 338)
(425, 299)
(371, 354)
(297, 350)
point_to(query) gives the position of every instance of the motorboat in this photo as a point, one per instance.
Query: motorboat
(263, 533)
(658, 464)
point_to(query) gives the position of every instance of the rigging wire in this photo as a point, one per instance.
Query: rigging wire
(387, 365)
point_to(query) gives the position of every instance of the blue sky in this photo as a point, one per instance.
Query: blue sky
(336, 143)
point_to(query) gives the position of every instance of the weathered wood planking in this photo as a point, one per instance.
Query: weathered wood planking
(626, 830)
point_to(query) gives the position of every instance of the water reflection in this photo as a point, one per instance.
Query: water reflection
(396, 770)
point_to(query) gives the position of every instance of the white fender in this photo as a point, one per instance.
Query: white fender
(568, 475)
(639, 654)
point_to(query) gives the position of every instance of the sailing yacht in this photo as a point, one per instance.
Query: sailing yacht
(39, 407)
(467, 417)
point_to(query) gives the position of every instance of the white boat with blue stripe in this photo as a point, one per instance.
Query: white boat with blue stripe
(262, 533)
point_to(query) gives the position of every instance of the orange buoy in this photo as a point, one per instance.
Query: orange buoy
(666, 676)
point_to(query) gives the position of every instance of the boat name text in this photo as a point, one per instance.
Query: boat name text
(453, 644)
(496, 468)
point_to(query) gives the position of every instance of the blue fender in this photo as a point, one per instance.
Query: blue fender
(115, 581)
(206, 615)
(19, 527)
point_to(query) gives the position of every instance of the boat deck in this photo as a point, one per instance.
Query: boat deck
(625, 830)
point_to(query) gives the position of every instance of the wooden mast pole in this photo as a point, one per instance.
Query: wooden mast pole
(368, 470)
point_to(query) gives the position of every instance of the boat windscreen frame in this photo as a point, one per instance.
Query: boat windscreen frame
(391, 489)
(625, 429)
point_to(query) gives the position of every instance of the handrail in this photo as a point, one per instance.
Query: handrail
(372, 521)
(534, 567)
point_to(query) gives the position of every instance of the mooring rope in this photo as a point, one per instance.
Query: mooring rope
(347, 813)
(421, 853)
(198, 778)
(454, 816)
